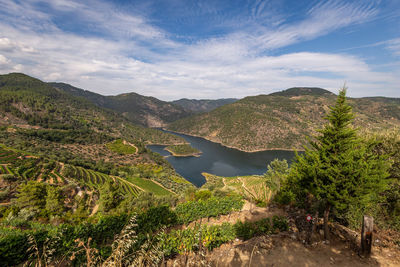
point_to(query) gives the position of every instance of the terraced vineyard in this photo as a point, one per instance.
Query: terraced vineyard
(149, 186)
(95, 180)
(8, 156)
(252, 187)
(4, 169)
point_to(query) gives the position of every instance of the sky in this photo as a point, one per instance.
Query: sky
(173, 49)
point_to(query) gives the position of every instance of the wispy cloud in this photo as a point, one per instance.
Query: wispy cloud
(118, 51)
(394, 46)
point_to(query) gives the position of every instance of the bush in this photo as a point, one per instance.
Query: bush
(245, 230)
(285, 197)
(202, 195)
(185, 241)
(212, 207)
(280, 223)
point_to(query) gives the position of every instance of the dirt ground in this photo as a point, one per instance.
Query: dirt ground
(284, 249)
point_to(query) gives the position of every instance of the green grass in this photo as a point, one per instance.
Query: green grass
(149, 186)
(119, 147)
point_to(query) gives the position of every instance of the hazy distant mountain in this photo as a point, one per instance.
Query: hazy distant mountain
(203, 105)
(300, 91)
(282, 120)
(142, 110)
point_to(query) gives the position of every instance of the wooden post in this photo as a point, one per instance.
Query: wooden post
(311, 228)
(366, 235)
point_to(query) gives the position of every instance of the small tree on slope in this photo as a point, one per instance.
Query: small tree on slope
(338, 169)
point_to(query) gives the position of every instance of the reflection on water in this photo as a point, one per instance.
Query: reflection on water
(222, 169)
(219, 160)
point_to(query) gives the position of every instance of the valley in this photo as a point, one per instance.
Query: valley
(281, 120)
(199, 133)
(80, 167)
(219, 160)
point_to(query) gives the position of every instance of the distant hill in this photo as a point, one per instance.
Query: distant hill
(299, 91)
(26, 102)
(203, 105)
(282, 120)
(142, 110)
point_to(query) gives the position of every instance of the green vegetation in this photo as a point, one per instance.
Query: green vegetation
(134, 107)
(149, 186)
(96, 180)
(182, 150)
(210, 237)
(212, 207)
(339, 171)
(282, 120)
(255, 188)
(203, 105)
(102, 228)
(78, 186)
(118, 146)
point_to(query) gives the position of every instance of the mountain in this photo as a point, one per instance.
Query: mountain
(203, 105)
(300, 91)
(58, 127)
(26, 102)
(142, 110)
(282, 120)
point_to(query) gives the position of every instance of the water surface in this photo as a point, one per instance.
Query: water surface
(219, 160)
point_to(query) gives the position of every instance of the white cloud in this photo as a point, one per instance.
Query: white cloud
(394, 46)
(136, 56)
(3, 59)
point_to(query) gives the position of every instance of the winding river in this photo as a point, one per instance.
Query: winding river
(219, 160)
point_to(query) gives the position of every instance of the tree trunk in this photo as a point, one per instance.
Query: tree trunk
(326, 219)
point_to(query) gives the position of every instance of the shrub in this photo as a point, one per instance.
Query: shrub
(212, 207)
(285, 197)
(202, 195)
(244, 230)
(280, 223)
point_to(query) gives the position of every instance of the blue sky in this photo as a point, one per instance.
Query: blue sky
(205, 49)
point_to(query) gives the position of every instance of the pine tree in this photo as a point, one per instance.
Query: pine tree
(338, 169)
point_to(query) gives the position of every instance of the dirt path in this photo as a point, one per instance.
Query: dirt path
(62, 167)
(283, 249)
(95, 209)
(127, 143)
(280, 251)
(125, 181)
(249, 212)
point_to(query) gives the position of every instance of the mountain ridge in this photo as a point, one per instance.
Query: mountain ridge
(143, 110)
(203, 105)
(280, 121)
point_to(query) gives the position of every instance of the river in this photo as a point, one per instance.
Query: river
(219, 160)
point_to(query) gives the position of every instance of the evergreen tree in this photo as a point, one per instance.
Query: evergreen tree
(338, 169)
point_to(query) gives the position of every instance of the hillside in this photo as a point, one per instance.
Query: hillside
(52, 125)
(142, 110)
(281, 120)
(202, 105)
